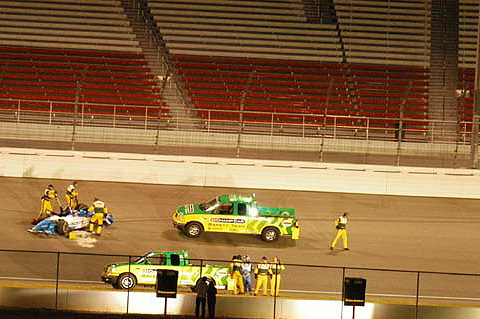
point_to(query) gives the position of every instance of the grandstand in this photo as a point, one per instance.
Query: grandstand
(331, 68)
(295, 66)
(65, 55)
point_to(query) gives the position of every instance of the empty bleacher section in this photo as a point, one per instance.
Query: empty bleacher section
(235, 62)
(468, 32)
(61, 55)
(385, 32)
(246, 29)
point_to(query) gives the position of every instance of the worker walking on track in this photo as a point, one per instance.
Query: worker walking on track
(99, 209)
(261, 274)
(236, 268)
(275, 271)
(46, 208)
(341, 227)
(71, 195)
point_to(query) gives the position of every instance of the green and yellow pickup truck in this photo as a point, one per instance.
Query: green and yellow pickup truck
(143, 271)
(234, 213)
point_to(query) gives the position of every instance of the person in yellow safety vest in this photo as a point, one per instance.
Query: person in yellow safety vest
(71, 195)
(275, 271)
(341, 227)
(46, 208)
(236, 273)
(261, 274)
(99, 209)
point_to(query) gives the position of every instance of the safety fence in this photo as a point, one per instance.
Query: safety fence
(319, 133)
(53, 280)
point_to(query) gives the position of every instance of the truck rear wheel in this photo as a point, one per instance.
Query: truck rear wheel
(126, 281)
(193, 229)
(270, 234)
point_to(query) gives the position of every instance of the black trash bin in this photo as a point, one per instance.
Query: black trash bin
(397, 129)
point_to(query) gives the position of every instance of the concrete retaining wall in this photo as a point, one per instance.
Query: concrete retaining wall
(239, 173)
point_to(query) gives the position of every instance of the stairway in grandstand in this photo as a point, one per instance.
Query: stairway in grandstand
(277, 56)
(466, 61)
(57, 56)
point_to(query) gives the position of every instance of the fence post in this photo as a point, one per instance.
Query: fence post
(368, 126)
(417, 295)
(50, 114)
(56, 280)
(18, 112)
(128, 290)
(209, 119)
(343, 291)
(146, 117)
(303, 126)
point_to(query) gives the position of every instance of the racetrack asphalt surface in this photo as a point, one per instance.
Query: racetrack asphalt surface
(385, 232)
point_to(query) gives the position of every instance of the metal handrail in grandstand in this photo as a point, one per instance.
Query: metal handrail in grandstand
(258, 122)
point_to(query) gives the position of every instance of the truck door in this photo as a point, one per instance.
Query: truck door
(150, 271)
(222, 218)
(240, 217)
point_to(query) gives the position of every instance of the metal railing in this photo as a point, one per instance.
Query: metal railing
(320, 128)
(66, 272)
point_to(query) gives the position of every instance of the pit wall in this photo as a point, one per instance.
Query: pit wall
(239, 173)
(123, 302)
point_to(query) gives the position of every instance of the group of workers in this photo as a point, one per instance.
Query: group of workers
(50, 195)
(242, 271)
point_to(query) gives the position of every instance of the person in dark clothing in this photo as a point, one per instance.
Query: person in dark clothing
(211, 299)
(201, 300)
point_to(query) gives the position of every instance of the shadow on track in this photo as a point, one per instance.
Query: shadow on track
(228, 240)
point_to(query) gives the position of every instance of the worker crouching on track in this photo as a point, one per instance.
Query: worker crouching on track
(275, 271)
(71, 195)
(236, 268)
(261, 274)
(46, 208)
(99, 210)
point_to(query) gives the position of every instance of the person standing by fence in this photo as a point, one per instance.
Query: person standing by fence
(211, 299)
(275, 271)
(261, 274)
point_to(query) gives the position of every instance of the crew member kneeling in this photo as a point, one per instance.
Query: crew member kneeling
(99, 210)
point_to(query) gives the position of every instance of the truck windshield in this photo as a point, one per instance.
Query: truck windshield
(210, 205)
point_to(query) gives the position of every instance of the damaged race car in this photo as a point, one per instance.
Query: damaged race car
(67, 221)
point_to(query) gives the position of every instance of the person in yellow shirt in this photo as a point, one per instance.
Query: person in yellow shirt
(236, 268)
(46, 208)
(71, 195)
(275, 271)
(100, 210)
(261, 274)
(341, 227)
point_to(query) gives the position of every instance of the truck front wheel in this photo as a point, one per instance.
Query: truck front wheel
(193, 229)
(270, 234)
